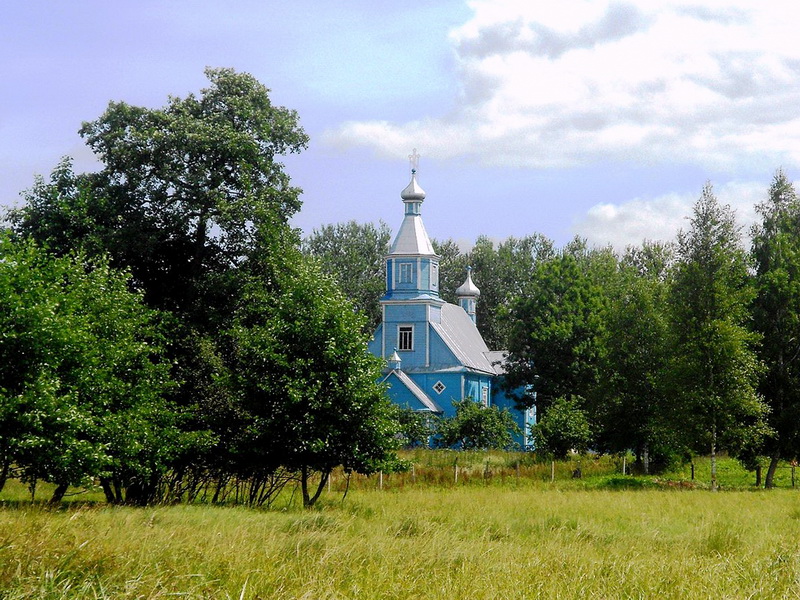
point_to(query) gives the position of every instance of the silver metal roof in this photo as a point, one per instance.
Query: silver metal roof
(498, 360)
(412, 238)
(463, 338)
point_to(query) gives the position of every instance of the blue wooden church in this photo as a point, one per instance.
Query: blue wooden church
(435, 354)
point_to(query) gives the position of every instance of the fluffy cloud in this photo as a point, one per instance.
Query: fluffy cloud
(547, 84)
(659, 219)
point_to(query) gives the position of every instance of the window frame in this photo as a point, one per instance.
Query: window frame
(405, 272)
(405, 333)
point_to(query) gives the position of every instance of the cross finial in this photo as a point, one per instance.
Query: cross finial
(413, 158)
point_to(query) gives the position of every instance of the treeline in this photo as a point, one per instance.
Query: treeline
(665, 349)
(162, 333)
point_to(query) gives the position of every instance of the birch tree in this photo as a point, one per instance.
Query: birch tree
(714, 367)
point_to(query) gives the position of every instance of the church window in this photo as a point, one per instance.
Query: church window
(434, 276)
(439, 387)
(406, 273)
(405, 337)
(485, 395)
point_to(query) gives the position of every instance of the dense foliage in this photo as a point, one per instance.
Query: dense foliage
(83, 376)
(272, 378)
(477, 427)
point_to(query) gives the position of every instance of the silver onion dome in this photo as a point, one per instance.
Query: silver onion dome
(468, 288)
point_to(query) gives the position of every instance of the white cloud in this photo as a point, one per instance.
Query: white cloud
(546, 84)
(660, 218)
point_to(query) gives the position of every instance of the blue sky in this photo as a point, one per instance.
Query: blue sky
(601, 119)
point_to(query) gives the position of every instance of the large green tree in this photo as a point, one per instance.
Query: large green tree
(714, 367)
(776, 316)
(82, 380)
(189, 197)
(182, 192)
(556, 333)
(504, 274)
(632, 407)
(307, 386)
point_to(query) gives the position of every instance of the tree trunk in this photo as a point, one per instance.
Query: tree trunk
(714, 459)
(58, 493)
(4, 472)
(769, 482)
(105, 483)
(646, 459)
(308, 501)
(758, 475)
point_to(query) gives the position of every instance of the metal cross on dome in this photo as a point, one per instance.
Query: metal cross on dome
(413, 158)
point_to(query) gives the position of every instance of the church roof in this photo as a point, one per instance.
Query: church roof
(463, 339)
(498, 360)
(412, 238)
(415, 390)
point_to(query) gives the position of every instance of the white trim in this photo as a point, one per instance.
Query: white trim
(383, 331)
(428, 342)
(427, 335)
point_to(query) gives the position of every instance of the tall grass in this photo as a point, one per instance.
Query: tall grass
(428, 542)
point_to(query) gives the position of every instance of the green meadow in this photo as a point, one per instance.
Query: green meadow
(503, 531)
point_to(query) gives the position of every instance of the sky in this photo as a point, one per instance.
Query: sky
(591, 118)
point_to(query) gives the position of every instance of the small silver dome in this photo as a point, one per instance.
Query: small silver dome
(413, 192)
(468, 288)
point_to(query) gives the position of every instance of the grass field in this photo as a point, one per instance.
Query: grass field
(483, 538)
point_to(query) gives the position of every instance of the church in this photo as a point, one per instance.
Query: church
(434, 352)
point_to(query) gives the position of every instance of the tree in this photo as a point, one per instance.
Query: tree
(555, 334)
(82, 376)
(416, 427)
(776, 316)
(562, 429)
(631, 410)
(714, 368)
(504, 274)
(354, 255)
(477, 427)
(307, 386)
(452, 268)
(182, 193)
(190, 197)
